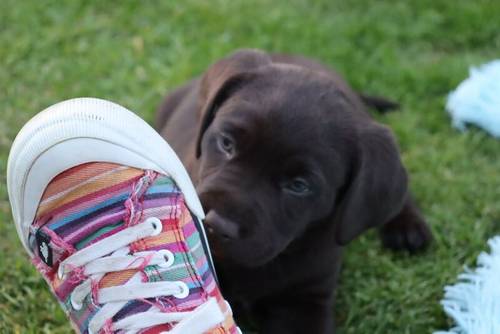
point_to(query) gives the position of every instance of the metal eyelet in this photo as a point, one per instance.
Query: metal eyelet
(168, 256)
(184, 290)
(230, 310)
(76, 306)
(157, 225)
(60, 272)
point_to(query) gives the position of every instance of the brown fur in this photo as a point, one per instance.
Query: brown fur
(289, 167)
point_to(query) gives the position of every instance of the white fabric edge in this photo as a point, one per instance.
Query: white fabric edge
(112, 133)
(474, 301)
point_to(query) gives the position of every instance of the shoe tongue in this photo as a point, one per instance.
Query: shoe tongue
(86, 203)
(93, 201)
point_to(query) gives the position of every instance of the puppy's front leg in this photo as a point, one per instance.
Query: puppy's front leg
(408, 230)
(291, 315)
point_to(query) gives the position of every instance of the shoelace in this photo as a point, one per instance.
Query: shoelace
(90, 264)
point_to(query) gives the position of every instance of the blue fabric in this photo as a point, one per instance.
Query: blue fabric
(477, 100)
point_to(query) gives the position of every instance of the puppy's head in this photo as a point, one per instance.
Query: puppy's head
(282, 149)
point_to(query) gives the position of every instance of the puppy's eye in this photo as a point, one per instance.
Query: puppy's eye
(297, 186)
(226, 144)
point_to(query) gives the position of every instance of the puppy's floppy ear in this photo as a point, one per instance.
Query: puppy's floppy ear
(222, 79)
(378, 187)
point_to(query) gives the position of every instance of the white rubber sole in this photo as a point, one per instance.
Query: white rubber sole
(79, 131)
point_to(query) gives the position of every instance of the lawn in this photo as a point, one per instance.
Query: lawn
(133, 52)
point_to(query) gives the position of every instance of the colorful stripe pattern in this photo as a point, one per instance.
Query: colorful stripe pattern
(93, 201)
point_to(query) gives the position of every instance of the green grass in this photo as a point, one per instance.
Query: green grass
(133, 52)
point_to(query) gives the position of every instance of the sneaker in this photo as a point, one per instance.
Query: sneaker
(110, 218)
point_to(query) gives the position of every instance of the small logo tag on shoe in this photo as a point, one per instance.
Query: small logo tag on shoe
(44, 250)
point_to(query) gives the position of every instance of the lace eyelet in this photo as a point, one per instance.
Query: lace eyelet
(60, 272)
(76, 306)
(169, 258)
(230, 310)
(184, 290)
(157, 225)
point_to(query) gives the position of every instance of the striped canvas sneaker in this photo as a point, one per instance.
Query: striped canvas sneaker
(109, 217)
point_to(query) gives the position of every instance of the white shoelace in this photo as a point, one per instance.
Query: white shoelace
(94, 262)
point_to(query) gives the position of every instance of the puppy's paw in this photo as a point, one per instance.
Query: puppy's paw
(405, 232)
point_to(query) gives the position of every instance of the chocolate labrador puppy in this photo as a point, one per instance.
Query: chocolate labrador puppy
(289, 167)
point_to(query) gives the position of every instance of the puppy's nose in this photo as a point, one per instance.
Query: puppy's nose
(220, 226)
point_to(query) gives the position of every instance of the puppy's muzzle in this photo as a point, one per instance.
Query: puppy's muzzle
(221, 227)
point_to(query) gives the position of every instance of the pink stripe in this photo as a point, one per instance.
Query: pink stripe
(193, 300)
(189, 229)
(161, 212)
(174, 247)
(210, 285)
(91, 199)
(153, 202)
(201, 262)
(94, 225)
(84, 203)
